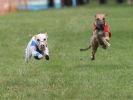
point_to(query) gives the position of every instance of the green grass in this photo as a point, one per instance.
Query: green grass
(70, 74)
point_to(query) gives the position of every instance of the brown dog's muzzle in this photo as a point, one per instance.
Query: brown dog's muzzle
(100, 25)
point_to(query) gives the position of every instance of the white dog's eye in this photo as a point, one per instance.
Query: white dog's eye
(44, 39)
(38, 40)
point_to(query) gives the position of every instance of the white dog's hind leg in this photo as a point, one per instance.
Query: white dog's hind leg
(36, 54)
(46, 53)
(27, 55)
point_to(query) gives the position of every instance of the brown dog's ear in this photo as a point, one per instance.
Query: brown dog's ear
(96, 15)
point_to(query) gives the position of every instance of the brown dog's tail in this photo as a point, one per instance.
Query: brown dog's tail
(85, 48)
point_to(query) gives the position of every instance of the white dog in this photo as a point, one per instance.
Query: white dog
(37, 47)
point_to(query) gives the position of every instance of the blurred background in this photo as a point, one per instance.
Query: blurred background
(8, 6)
(70, 74)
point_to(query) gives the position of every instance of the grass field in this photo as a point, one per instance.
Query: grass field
(70, 74)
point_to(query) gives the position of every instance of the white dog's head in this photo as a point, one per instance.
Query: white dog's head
(41, 39)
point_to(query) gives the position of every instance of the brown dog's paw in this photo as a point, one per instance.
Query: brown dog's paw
(92, 58)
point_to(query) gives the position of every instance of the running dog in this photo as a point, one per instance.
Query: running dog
(37, 47)
(101, 35)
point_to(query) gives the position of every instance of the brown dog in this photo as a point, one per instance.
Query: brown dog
(101, 35)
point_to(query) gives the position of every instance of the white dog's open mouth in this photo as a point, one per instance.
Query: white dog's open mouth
(42, 47)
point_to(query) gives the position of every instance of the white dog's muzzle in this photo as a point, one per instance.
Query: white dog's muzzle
(37, 47)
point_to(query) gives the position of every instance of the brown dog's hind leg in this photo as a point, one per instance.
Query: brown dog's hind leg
(94, 49)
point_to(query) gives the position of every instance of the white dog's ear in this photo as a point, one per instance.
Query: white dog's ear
(46, 34)
(35, 36)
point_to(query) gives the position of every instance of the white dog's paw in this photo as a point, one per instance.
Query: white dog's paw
(47, 57)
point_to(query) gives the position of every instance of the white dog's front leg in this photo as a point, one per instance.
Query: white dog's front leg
(37, 54)
(46, 53)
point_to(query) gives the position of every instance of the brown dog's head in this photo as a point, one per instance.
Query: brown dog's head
(100, 21)
(41, 39)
